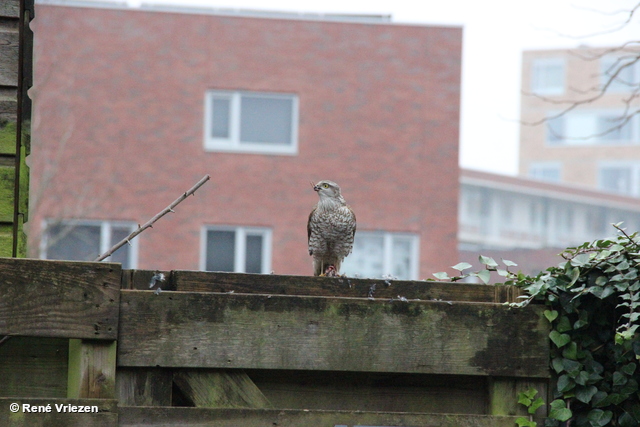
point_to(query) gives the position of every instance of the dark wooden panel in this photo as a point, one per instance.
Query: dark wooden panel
(147, 417)
(220, 388)
(201, 281)
(211, 330)
(8, 57)
(59, 298)
(144, 387)
(60, 415)
(34, 367)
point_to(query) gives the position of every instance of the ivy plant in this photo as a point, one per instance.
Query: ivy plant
(592, 302)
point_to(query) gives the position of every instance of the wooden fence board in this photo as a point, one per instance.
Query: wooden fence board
(203, 281)
(35, 367)
(60, 415)
(212, 330)
(149, 417)
(59, 299)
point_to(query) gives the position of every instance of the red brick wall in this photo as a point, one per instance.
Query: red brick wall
(118, 127)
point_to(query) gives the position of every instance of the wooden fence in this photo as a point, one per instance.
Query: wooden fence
(227, 349)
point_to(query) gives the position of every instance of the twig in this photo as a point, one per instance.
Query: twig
(149, 223)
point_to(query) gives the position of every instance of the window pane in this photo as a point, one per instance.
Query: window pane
(616, 179)
(220, 250)
(220, 120)
(555, 130)
(367, 257)
(401, 258)
(265, 120)
(253, 258)
(625, 78)
(76, 243)
(547, 76)
(122, 254)
(612, 128)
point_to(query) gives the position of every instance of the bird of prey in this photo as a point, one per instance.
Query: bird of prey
(331, 228)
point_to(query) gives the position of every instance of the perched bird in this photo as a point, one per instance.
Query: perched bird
(331, 228)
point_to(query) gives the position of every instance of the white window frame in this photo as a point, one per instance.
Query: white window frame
(240, 250)
(387, 249)
(233, 144)
(105, 236)
(538, 66)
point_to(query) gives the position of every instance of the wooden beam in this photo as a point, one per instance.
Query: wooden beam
(150, 417)
(211, 330)
(102, 412)
(221, 388)
(59, 298)
(202, 281)
(92, 369)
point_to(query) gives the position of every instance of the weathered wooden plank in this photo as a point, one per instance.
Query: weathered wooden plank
(223, 388)
(144, 387)
(148, 417)
(59, 298)
(370, 391)
(35, 367)
(201, 281)
(10, 8)
(212, 330)
(105, 412)
(9, 41)
(92, 369)
(7, 179)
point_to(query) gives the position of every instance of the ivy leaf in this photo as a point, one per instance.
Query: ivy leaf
(488, 261)
(629, 369)
(524, 422)
(559, 339)
(571, 351)
(580, 260)
(599, 418)
(535, 405)
(559, 411)
(509, 263)
(619, 378)
(484, 275)
(584, 394)
(582, 378)
(564, 325)
(565, 383)
(461, 266)
(551, 315)
(441, 275)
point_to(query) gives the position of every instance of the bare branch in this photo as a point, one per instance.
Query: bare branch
(150, 223)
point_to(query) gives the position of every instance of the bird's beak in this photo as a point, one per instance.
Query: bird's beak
(316, 188)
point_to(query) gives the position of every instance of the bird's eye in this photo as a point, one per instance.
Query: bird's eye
(325, 185)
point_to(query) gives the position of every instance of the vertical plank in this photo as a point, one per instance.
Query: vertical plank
(503, 396)
(144, 386)
(92, 369)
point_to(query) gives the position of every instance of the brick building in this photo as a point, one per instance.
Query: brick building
(133, 106)
(589, 145)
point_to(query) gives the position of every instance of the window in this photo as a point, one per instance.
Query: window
(620, 177)
(592, 128)
(376, 254)
(626, 72)
(547, 76)
(239, 249)
(255, 122)
(86, 240)
(545, 171)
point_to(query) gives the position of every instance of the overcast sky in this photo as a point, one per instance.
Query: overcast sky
(495, 33)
